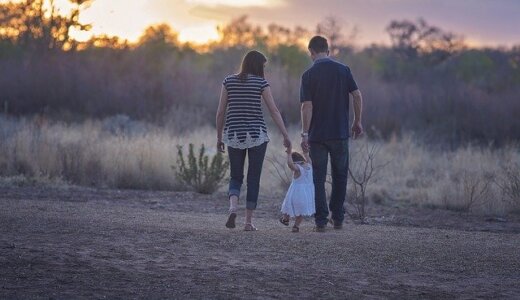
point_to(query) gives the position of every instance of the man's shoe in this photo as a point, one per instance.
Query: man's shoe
(319, 228)
(336, 224)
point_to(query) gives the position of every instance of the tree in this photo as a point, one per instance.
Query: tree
(332, 29)
(239, 32)
(104, 41)
(277, 35)
(411, 39)
(38, 25)
(159, 35)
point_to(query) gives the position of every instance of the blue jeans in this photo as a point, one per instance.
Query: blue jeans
(237, 158)
(319, 152)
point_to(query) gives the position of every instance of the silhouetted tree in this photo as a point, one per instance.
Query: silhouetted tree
(159, 35)
(37, 24)
(104, 41)
(413, 38)
(239, 32)
(277, 35)
(333, 30)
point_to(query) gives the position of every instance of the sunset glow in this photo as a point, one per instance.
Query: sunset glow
(199, 35)
(488, 23)
(236, 3)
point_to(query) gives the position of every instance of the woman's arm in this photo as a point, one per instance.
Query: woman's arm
(221, 111)
(275, 114)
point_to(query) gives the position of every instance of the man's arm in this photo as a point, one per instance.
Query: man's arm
(306, 115)
(357, 128)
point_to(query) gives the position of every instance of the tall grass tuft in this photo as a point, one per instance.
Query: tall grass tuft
(198, 173)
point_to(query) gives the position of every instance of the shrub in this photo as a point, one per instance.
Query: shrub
(197, 173)
(509, 183)
(362, 170)
(280, 171)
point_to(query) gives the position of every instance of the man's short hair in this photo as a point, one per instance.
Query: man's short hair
(318, 44)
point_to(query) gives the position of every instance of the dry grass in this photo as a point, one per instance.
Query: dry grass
(462, 180)
(120, 153)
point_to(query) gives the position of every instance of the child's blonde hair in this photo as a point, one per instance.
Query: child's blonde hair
(297, 157)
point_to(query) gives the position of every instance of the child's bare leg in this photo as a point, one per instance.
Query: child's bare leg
(298, 221)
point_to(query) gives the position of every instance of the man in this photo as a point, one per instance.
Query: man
(324, 94)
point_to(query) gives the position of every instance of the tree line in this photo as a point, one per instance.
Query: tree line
(427, 81)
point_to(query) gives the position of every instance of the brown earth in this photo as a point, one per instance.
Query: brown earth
(70, 242)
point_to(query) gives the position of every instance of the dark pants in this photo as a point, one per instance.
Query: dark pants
(237, 158)
(319, 152)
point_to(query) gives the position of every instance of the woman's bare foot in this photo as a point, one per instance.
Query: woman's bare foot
(250, 227)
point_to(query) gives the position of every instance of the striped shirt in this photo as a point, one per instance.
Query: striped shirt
(245, 125)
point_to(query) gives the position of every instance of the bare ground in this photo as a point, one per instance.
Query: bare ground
(86, 243)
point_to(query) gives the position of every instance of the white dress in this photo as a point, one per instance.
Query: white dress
(299, 200)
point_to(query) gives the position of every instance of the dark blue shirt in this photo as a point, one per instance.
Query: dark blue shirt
(328, 83)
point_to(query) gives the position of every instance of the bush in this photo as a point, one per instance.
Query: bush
(197, 173)
(509, 183)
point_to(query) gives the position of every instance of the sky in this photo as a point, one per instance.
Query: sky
(481, 22)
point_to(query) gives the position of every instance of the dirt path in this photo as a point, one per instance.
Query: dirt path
(96, 244)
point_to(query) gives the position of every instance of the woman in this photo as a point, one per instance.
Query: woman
(244, 131)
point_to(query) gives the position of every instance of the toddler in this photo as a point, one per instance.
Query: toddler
(299, 200)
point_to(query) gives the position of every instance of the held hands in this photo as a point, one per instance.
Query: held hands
(286, 142)
(288, 150)
(357, 130)
(305, 144)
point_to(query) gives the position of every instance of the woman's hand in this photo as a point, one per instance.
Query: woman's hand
(286, 142)
(221, 147)
(221, 112)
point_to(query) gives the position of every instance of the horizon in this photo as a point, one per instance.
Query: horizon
(481, 23)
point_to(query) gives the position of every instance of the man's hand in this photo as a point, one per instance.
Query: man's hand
(305, 144)
(357, 130)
